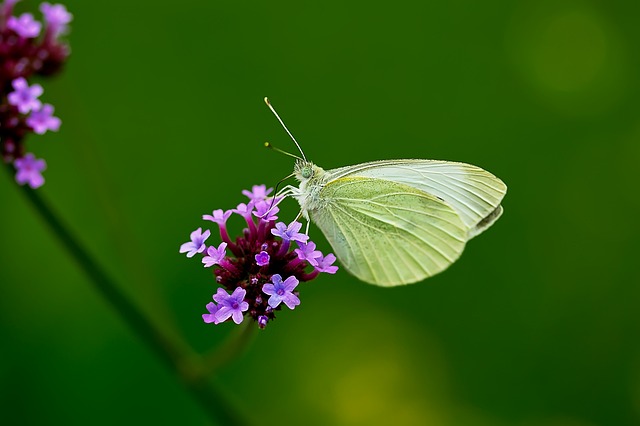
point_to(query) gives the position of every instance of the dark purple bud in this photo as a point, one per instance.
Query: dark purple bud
(262, 321)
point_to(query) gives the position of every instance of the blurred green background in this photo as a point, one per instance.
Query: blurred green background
(163, 121)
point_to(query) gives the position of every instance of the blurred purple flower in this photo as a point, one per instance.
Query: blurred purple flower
(57, 18)
(42, 120)
(24, 25)
(29, 170)
(23, 97)
(23, 54)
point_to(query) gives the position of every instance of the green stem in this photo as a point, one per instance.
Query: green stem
(229, 349)
(170, 353)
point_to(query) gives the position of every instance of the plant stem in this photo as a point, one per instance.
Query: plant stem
(230, 348)
(173, 356)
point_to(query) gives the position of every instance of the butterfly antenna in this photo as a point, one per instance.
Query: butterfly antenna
(266, 101)
(268, 145)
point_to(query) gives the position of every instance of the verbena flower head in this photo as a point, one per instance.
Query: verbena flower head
(259, 271)
(26, 51)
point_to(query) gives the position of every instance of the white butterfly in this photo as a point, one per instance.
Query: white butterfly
(396, 222)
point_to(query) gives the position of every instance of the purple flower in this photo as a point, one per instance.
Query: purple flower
(266, 210)
(290, 233)
(25, 97)
(282, 291)
(196, 245)
(215, 255)
(309, 253)
(211, 316)
(57, 17)
(325, 264)
(24, 25)
(244, 210)
(231, 305)
(24, 52)
(252, 264)
(258, 192)
(219, 216)
(262, 258)
(29, 170)
(42, 120)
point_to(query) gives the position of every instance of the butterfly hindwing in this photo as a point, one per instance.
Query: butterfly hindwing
(389, 233)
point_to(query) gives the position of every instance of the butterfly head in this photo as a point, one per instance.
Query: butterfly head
(304, 170)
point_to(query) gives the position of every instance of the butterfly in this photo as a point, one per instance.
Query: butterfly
(395, 222)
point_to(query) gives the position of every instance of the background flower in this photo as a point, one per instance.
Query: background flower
(30, 170)
(24, 54)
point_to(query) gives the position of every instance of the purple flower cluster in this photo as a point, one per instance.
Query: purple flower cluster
(28, 48)
(260, 270)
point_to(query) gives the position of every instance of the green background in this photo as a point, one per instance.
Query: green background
(163, 121)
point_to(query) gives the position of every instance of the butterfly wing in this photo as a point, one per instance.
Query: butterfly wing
(388, 233)
(474, 193)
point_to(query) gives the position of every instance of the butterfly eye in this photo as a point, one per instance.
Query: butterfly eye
(306, 172)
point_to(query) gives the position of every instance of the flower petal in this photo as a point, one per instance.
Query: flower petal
(269, 289)
(291, 300)
(274, 301)
(237, 316)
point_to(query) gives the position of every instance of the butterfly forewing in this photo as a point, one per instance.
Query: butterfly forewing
(389, 233)
(474, 193)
